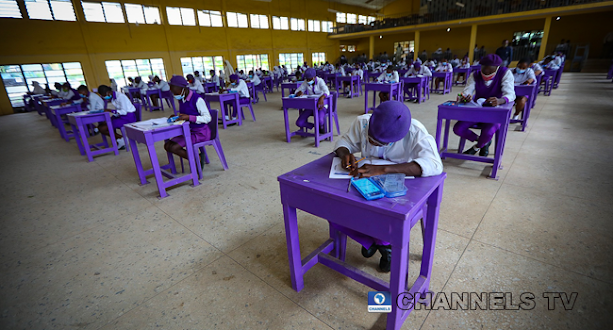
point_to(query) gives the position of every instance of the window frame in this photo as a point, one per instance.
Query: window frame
(11, 12)
(209, 13)
(123, 71)
(238, 21)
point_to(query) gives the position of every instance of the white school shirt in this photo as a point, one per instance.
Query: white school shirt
(465, 66)
(142, 86)
(444, 68)
(122, 104)
(507, 84)
(520, 78)
(394, 78)
(557, 60)
(203, 110)
(95, 103)
(417, 146)
(536, 67)
(215, 79)
(242, 76)
(164, 86)
(455, 62)
(241, 88)
(341, 70)
(256, 80)
(200, 79)
(318, 88)
(551, 66)
(67, 95)
(423, 71)
(196, 86)
(358, 72)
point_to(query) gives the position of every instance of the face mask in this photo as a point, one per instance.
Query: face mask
(250, 76)
(108, 97)
(65, 89)
(83, 96)
(191, 81)
(389, 74)
(311, 82)
(488, 77)
(178, 97)
(444, 63)
(520, 70)
(233, 84)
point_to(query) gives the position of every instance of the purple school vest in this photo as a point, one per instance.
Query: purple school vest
(493, 90)
(189, 108)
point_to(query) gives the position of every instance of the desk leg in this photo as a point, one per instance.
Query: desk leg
(288, 137)
(366, 102)
(157, 171)
(81, 139)
(427, 259)
(340, 243)
(398, 277)
(137, 162)
(239, 110)
(316, 128)
(62, 127)
(191, 159)
(282, 92)
(446, 136)
(293, 247)
(439, 124)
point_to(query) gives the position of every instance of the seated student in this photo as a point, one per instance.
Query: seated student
(549, 64)
(390, 75)
(494, 83)
(357, 71)
(537, 68)
(284, 71)
(94, 101)
(455, 62)
(194, 84)
(238, 85)
(388, 133)
(417, 70)
(477, 61)
(339, 70)
(312, 85)
(522, 75)
(557, 58)
(193, 109)
(242, 75)
(201, 78)
(69, 94)
(58, 90)
(464, 65)
(430, 63)
(443, 66)
(130, 82)
(124, 112)
(254, 79)
(161, 85)
(37, 88)
(113, 84)
(277, 73)
(214, 78)
(140, 84)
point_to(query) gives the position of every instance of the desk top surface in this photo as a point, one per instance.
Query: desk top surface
(312, 178)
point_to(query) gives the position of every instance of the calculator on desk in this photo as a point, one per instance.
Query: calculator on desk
(368, 189)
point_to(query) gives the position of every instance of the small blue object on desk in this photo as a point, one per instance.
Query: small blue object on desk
(368, 189)
(391, 184)
(291, 96)
(172, 119)
(96, 111)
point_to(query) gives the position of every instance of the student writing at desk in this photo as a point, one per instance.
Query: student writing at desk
(312, 85)
(417, 70)
(496, 85)
(161, 85)
(214, 78)
(193, 109)
(443, 66)
(389, 76)
(124, 112)
(388, 133)
(523, 75)
(195, 84)
(94, 101)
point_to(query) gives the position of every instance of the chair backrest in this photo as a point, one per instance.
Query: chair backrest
(138, 112)
(213, 123)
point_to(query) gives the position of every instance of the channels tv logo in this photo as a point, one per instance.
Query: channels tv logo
(379, 302)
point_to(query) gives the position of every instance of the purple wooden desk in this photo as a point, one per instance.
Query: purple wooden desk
(290, 86)
(308, 103)
(500, 114)
(49, 102)
(393, 89)
(158, 92)
(210, 87)
(351, 80)
(79, 122)
(530, 91)
(251, 88)
(422, 84)
(267, 80)
(149, 136)
(226, 100)
(447, 79)
(549, 77)
(309, 189)
(466, 72)
(57, 113)
(371, 75)
(558, 76)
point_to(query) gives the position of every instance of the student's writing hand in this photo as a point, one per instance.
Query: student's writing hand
(348, 162)
(492, 100)
(466, 98)
(183, 117)
(368, 170)
(298, 94)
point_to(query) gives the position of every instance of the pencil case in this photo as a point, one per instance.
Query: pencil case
(392, 185)
(172, 119)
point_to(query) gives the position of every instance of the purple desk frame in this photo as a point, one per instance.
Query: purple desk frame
(308, 103)
(422, 85)
(332, 78)
(448, 77)
(309, 189)
(158, 92)
(57, 112)
(79, 122)
(224, 100)
(267, 81)
(291, 86)
(530, 91)
(394, 89)
(498, 114)
(351, 80)
(467, 73)
(210, 87)
(149, 137)
(47, 104)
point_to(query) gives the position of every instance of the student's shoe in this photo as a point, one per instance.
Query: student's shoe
(121, 144)
(367, 253)
(386, 258)
(471, 151)
(517, 117)
(485, 150)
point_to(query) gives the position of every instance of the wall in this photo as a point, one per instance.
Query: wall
(36, 41)
(456, 39)
(401, 8)
(582, 29)
(492, 35)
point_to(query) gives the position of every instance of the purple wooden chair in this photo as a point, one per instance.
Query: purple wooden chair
(558, 76)
(151, 92)
(214, 141)
(548, 80)
(334, 114)
(170, 100)
(259, 88)
(245, 102)
(138, 114)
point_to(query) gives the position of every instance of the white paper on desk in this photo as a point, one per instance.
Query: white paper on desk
(338, 172)
(478, 103)
(147, 124)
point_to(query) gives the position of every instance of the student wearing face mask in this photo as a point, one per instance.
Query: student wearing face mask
(496, 85)
(388, 133)
(389, 76)
(194, 84)
(214, 78)
(254, 79)
(124, 112)
(94, 101)
(523, 75)
(162, 86)
(443, 66)
(312, 85)
(192, 109)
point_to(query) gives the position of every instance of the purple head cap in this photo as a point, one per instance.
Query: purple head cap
(178, 81)
(491, 60)
(390, 122)
(233, 77)
(309, 73)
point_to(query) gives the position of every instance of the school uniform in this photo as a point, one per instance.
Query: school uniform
(37, 89)
(124, 112)
(255, 80)
(319, 88)
(199, 116)
(521, 78)
(551, 66)
(143, 87)
(444, 67)
(536, 67)
(215, 79)
(201, 79)
(358, 72)
(423, 71)
(392, 77)
(501, 86)
(94, 102)
(196, 86)
(241, 88)
(455, 62)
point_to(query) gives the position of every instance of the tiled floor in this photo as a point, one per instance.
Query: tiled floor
(83, 246)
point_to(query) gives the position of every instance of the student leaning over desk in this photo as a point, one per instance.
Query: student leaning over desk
(388, 133)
